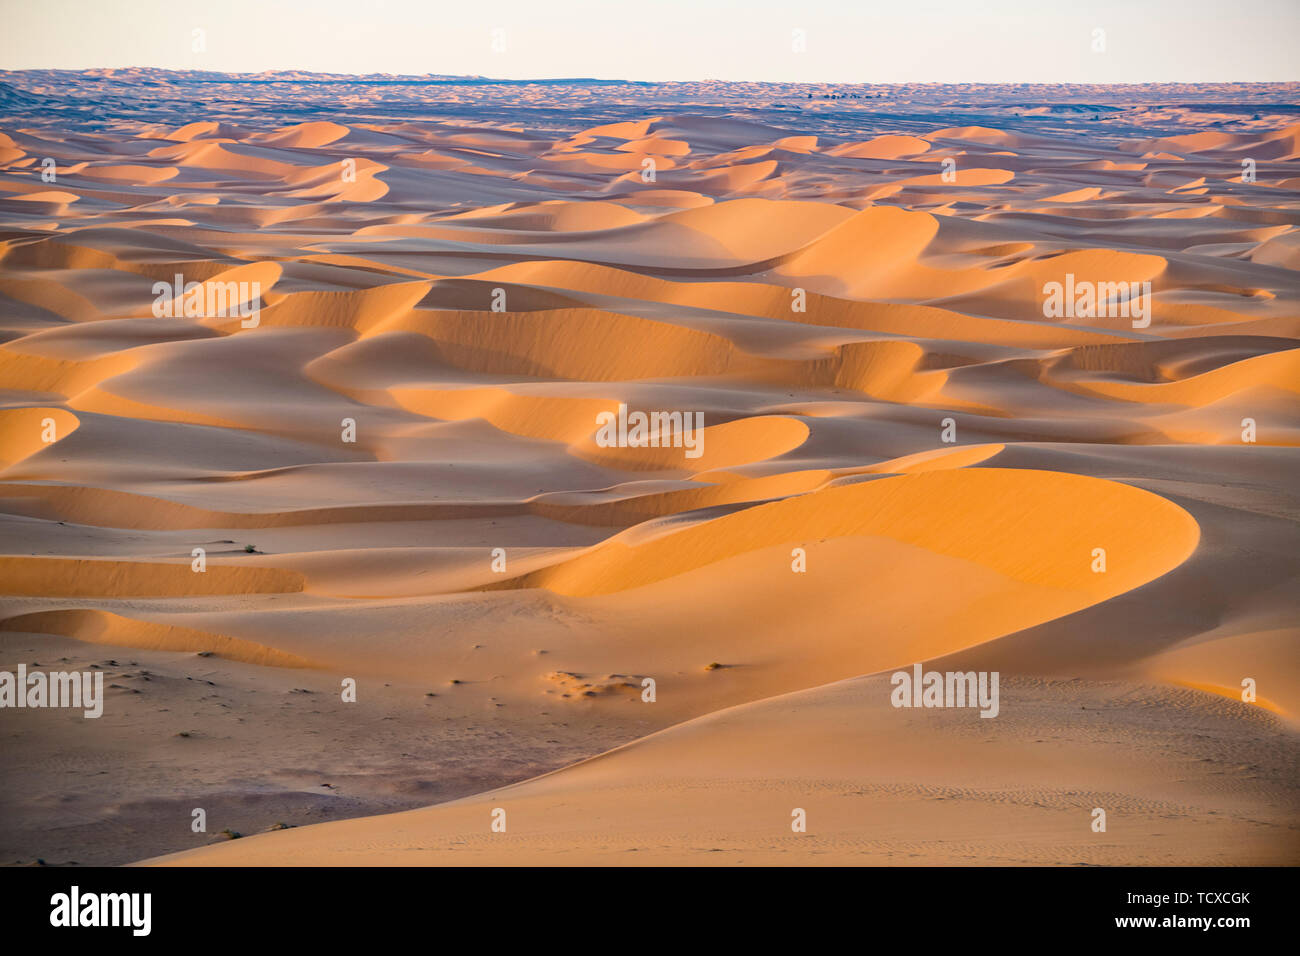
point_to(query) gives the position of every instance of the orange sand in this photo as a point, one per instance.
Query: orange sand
(475, 430)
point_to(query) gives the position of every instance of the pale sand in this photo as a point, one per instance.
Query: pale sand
(476, 430)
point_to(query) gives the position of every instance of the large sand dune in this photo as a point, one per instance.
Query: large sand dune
(386, 444)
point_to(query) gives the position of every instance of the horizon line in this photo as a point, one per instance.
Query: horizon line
(450, 79)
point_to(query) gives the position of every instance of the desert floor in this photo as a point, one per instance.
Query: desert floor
(394, 479)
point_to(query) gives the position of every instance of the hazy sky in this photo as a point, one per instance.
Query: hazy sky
(847, 40)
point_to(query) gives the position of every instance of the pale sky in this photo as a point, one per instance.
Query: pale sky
(848, 41)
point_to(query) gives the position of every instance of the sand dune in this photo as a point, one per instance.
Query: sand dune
(722, 790)
(380, 426)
